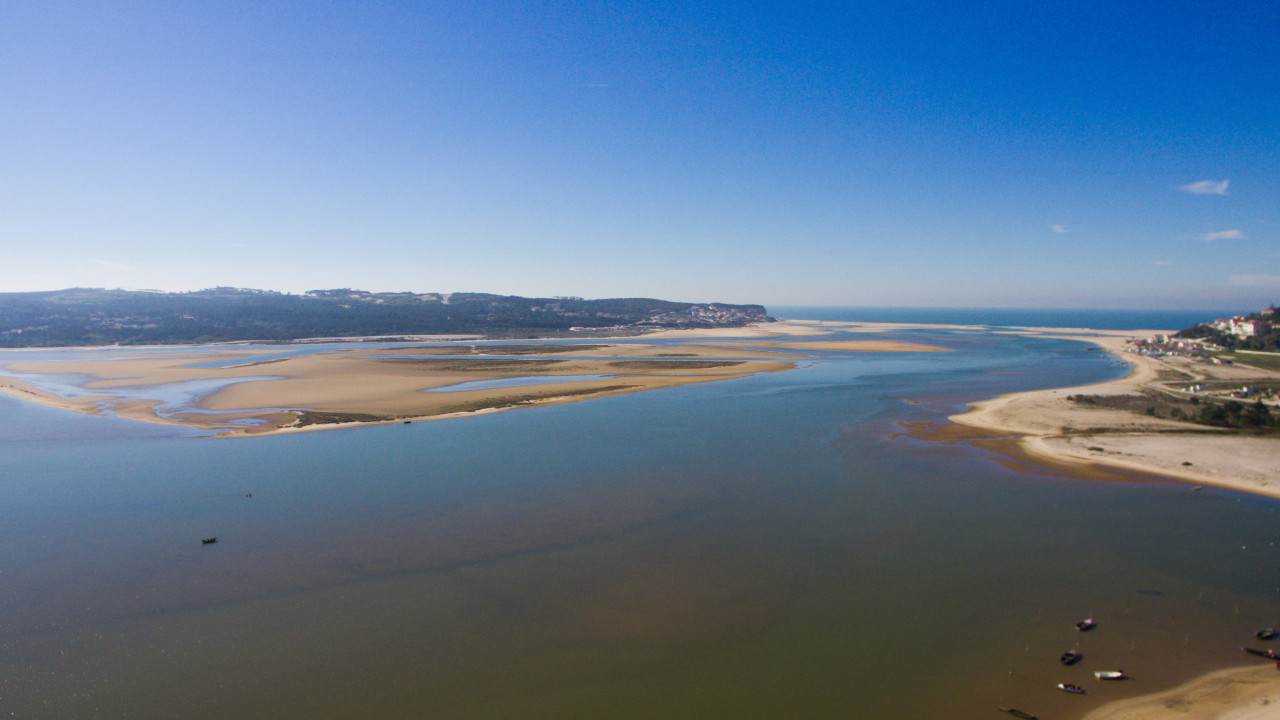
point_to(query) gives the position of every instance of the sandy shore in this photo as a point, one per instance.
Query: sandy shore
(1251, 693)
(1053, 427)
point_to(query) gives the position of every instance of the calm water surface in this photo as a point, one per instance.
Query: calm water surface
(756, 548)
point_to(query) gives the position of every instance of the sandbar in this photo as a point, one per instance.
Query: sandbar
(351, 386)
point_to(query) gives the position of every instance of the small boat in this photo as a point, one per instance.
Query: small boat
(1071, 688)
(1268, 654)
(209, 541)
(1085, 624)
(1019, 713)
(1069, 657)
(1266, 633)
(1109, 674)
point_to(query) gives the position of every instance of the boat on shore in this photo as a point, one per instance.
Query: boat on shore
(1109, 674)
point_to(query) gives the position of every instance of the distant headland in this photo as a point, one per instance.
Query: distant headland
(92, 316)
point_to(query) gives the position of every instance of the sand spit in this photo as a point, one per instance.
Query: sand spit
(1251, 693)
(1053, 427)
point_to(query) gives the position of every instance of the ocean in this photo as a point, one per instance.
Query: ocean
(767, 547)
(1098, 319)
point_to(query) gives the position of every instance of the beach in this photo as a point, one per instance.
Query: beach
(1249, 693)
(1049, 425)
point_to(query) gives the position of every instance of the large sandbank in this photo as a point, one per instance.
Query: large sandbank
(341, 387)
(249, 394)
(1251, 693)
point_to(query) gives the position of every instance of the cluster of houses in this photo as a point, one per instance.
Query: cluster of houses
(1167, 345)
(1242, 326)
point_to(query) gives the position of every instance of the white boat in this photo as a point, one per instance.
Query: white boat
(1109, 674)
(1071, 688)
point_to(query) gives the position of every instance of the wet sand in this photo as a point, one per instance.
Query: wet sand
(1248, 693)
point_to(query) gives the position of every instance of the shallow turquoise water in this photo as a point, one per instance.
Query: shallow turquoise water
(751, 548)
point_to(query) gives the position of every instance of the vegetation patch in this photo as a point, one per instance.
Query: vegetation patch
(673, 364)
(313, 417)
(508, 401)
(477, 365)
(1247, 417)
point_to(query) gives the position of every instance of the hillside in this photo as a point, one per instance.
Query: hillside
(1256, 331)
(81, 316)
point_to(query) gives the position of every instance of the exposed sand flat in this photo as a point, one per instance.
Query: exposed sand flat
(857, 346)
(363, 385)
(1251, 693)
(1056, 428)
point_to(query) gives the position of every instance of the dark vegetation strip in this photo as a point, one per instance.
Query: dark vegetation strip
(1253, 417)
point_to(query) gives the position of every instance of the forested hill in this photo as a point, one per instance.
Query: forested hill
(105, 317)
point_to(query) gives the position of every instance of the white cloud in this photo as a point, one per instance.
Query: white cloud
(1223, 235)
(1162, 262)
(1207, 187)
(1060, 229)
(1254, 280)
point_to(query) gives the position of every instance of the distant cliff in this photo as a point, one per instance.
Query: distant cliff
(82, 316)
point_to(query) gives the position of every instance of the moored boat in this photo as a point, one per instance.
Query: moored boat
(1266, 633)
(1085, 624)
(1109, 674)
(1069, 657)
(1019, 713)
(1071, 688)
(1268, 653)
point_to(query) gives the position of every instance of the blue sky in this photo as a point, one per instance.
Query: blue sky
(1098, 154)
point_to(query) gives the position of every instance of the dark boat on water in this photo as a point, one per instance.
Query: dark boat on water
(1069, 657)
(1019, 713)
(1085, 624)
(209, 541)
(1266, 633)
(1268, 654)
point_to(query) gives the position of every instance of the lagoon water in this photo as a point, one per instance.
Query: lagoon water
(757, 548)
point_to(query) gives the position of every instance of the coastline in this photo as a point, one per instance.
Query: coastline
(1047, 425)
(1242, 693)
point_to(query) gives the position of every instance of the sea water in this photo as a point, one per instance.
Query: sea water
(756, 548)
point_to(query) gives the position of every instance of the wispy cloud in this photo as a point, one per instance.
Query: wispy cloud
(1161, 262)
(1254, 280)
(1207, 187)
(1060, 229)
(1223, 235)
